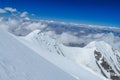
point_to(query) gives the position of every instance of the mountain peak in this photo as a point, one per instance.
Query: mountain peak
(98, 44)
(33, 33)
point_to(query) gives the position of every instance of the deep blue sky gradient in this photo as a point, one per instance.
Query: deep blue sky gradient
(100, 12)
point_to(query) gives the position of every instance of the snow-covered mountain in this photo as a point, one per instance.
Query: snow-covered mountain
(98, 57)
(51, 50)
(18, 62)
(76, 51)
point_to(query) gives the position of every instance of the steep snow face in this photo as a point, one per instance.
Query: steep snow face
(56, 53)
(18, 62)
(98, 57)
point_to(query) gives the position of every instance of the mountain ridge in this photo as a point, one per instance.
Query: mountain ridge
(91, 51)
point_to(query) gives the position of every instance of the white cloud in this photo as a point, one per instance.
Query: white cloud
(27, 18)
(10, 9)
(24, 14)
(68, 38)
(33, 26)
(2, 10)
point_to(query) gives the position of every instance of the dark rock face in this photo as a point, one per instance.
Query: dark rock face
(105, 65)
(97, 55)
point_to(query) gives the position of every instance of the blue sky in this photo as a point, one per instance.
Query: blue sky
(100, 12)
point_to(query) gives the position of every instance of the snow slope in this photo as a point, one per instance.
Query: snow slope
(58, 54)
(18, 62)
